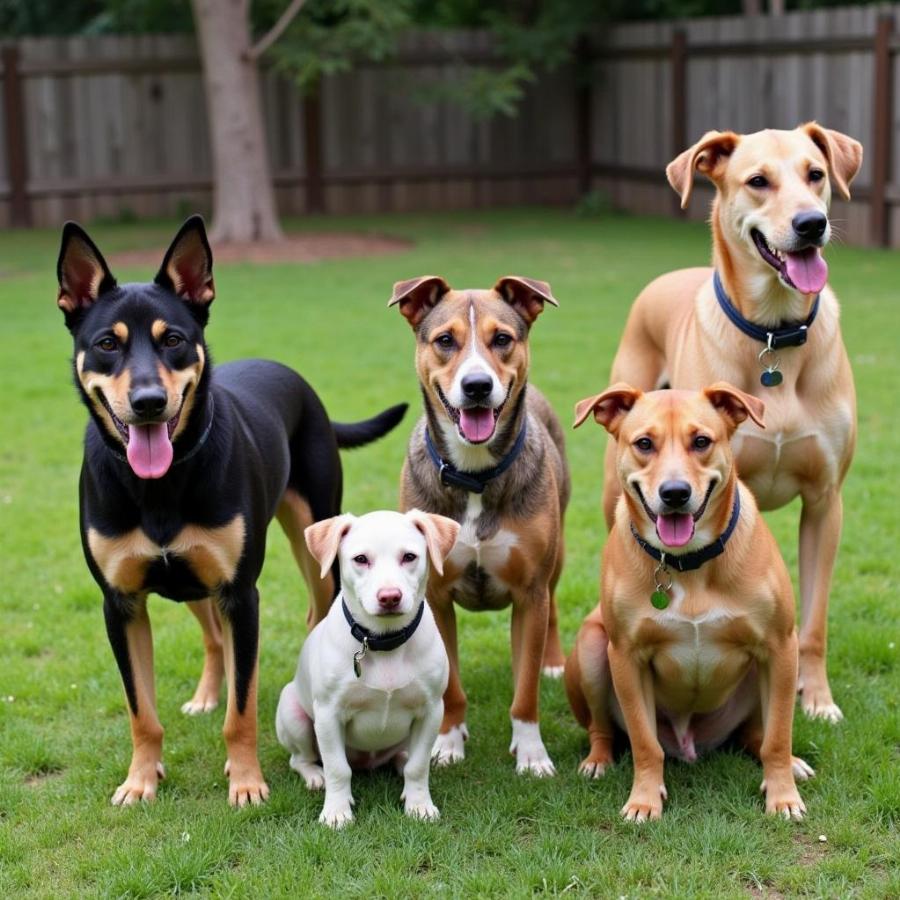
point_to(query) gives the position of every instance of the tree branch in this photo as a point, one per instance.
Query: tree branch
(275, 32)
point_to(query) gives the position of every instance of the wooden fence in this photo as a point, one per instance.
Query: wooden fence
(114, 126)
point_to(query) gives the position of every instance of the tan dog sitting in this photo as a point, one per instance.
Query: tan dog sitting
(760, 326)
(694, 638)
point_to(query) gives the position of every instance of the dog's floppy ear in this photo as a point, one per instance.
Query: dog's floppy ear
(418, 296)
(708, 156)
(526, 296)
(735, 406)
(186, 268)
(609, 408)
(323, 539)
(81, 271)
(440, 535)
(843, 154)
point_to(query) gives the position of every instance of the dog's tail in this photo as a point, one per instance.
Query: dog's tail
(358, 434)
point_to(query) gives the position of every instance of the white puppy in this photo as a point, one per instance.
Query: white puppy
(371, 677)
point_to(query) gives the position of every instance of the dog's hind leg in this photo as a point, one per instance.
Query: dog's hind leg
(554, 658)
(589, 688)
(296, 734)
(128, 628)
(206, 696)
(294, 514)
(240, 629)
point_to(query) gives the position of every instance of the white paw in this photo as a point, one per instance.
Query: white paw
(824, 709)
(531, 754)
(802, 769)
(590, 768)
(423, 809)
(196, 707)
(336, 816)
(312, 774)
(450, 748)
(554, 672)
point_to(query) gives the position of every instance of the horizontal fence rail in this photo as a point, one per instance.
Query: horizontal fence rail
(115, 126)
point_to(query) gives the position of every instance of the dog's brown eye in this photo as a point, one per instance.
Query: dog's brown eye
(502, 339)
(816, 174)
(172, 340)
(758, 181)
(701, 442)
(361, 560)
(409, 558)
(445, 341)
(644, 444)
(107, 344)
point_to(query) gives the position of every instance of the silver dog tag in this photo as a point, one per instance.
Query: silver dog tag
(357, 668)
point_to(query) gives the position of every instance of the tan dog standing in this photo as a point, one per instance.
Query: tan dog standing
(769, 223)
(489, 454)
(695, 630)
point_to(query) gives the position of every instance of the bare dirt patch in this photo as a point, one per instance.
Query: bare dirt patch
(295, 248)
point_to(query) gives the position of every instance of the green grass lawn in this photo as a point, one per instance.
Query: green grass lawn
(65, 743)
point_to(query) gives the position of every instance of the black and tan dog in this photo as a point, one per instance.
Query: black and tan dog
(184, 467)
(490, 456)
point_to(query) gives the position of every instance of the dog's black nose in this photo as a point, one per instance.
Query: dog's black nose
(675, 493)
(148, 402)
(477, 386)
(810, 225)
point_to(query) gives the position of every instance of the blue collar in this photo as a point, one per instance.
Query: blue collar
(473, 482)
(687, 562)
(787, 334)
(385, 640)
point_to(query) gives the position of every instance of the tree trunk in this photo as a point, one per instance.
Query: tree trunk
(243, 196)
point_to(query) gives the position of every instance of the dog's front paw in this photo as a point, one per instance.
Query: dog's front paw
(198, 705)
(418, 805)
(819, 705)
(246, 784)
(531, 754)
(783, 799)
(554, 672)
(593, 766)
(140, 784)
(450, 747)
(311, 773)
(645, 803)
(802, 769)
(336, 814)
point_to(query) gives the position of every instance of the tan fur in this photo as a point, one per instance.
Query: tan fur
(158, 328)
(115, 388)
(727, 621)
(676, 333)
(181, 386)
(120, 330)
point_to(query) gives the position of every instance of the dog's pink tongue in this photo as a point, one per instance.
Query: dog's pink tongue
(675, 529)
(149, 450)
(476, 424)
(807, 270)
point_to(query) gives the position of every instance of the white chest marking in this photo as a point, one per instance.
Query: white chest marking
(491, 554)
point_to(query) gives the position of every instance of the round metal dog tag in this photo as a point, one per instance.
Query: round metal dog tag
(659, 599)
(771, 378)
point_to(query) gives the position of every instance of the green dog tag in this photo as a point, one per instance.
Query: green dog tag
(659, 599)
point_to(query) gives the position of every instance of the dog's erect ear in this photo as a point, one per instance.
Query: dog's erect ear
(186, 268)
(440, 535)
(418, 296)
(708, 156)
(609, 408)
(323, 539)
(525, 295)
(82, 272)
(843, 154)
(735, 406)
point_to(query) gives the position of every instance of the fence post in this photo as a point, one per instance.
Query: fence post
(584, 114)
(312, 137)
(881, 141)
(678, 59)
(16, 158)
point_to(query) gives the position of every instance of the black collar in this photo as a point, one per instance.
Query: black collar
(192, 452)
(386, 640)
(473, 482)
(787, 334)
(687, 562)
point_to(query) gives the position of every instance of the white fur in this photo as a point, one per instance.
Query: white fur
(531, 754)
(396, 706)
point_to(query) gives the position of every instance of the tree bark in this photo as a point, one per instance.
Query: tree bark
(243, 195)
